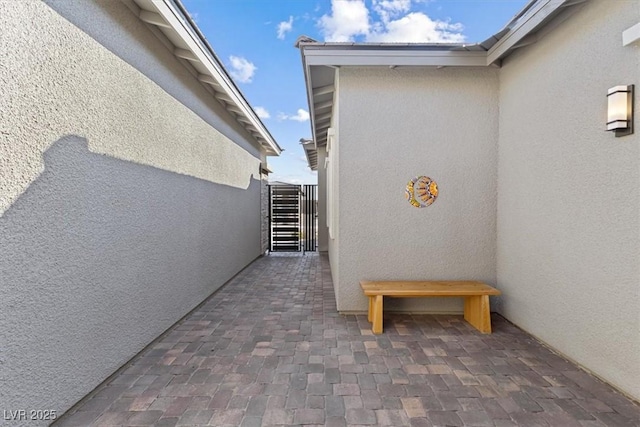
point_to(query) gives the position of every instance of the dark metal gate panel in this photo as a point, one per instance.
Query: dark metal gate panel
(293, 218)
(285, 217)
(310, 218)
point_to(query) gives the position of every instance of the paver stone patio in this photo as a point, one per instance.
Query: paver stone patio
(269, 348)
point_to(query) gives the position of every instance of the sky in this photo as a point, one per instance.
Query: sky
(255, 41)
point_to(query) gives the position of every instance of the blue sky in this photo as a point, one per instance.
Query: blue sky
(255, 41)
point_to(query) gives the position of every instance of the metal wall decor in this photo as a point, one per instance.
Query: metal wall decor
(421, 191)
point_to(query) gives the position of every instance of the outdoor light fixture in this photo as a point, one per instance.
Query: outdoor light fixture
(620, 111)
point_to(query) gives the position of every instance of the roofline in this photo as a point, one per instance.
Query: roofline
(308, 87)
(518, 32)
(171, 15)
(486, 53)
(311, 152)
(391, 55)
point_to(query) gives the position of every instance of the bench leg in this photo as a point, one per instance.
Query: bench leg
(477, 313)
(376, 315)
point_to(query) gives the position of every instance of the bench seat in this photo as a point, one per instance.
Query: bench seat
(476, 298)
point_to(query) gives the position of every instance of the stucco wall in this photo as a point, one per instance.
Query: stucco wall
(122, 208)
(394, 125)
(568, 199)
(48, 55)
(334, 194)
(323, 231)
(264, 213)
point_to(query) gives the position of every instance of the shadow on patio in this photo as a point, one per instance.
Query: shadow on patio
(270, 349)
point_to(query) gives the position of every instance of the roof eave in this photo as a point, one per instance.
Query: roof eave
(519, 31)
(170, 16)
(311, 153)
(338, 56)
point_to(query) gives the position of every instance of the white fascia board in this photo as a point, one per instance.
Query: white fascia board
(384, 57)
(523, 27)
(312, 154)
(309, 85)
(631, 35)
(168, 10)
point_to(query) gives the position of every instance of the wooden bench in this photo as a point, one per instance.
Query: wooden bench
(476, 298)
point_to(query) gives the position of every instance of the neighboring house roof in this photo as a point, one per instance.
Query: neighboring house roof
(320, 59)
(171, 23)
(280, 183)
(311, 152)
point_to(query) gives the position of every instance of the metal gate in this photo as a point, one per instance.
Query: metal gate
(309, 218)
(292, 218)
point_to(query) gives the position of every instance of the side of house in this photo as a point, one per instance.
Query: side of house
(129, 191)
(534, 196)
(568, 201)
(394, 125)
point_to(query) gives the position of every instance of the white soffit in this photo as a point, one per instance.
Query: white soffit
(170, 18)
(311, 152)
(390, 56)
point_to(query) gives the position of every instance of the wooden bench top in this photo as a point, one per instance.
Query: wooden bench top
(427, 288)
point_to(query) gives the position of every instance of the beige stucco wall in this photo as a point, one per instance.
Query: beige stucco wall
(323, 231)
(125, 200)
(334, 193)
(568, 199)
(59, 81)
(396, 124)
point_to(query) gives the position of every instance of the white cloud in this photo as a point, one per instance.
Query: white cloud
(349, 18)
(242, 70)
(300, 116)
(388, 9)
(284, 27)
(417, 27)
(262, 112)
(389, 21)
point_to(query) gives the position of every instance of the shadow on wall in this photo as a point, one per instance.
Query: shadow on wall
(116, 28)
(98, 257)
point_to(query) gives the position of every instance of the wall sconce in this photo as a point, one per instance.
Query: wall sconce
(620, 111)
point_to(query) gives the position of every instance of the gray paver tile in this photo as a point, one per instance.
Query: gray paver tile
(269, 349)
(166, 422)
(277, 416)
(420, 422)
(612, 419)
(227, 417)
(444, 418)
(144, 418)
(391, 417)
(251, 422)
(361, 416)
(96, 405)
(81, 419)
(475, 418)
(308, 416)
(530, 419)
(573, 409)
(335, 422)
(195, 417)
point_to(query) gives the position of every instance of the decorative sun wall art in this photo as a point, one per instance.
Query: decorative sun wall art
(421, 191)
